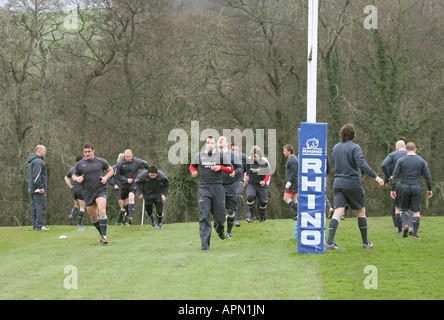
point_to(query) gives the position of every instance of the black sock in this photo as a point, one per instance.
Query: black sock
(74, 211)
(416, 223)
(293, 205)
(121, 214)
(81, 213)
(97, 225)
(131, 208)
(362, 223)
(332, 227)
(230, 220)
(159, 218)
(398, 221)
(103, 223)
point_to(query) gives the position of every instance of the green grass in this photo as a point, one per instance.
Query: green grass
(260, 262)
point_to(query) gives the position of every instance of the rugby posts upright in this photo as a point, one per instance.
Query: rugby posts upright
(312, 155)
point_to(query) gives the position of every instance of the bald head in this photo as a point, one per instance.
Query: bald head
(40, 150)
(128, 154)
(400, 145)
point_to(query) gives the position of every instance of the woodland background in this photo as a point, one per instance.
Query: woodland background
(123, 74)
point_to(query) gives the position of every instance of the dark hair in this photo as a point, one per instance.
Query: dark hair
(78, 158)
(289, 147)
(152, 169)
(347, 132)
(88, 146)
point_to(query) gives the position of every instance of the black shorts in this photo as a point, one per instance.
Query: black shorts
(410, 197)
(124, 191)
(231, 196)
(91, 196)
(349, 197)
(397, 200)
(76, 192)
(117, 194)
(256, 191)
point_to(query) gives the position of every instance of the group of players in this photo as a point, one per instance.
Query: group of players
(90, 178)
(223, 175)
(403, 170)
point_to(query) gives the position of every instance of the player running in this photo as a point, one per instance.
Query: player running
(152, 186)
(209, 165)
(126, 171)
(90, 173)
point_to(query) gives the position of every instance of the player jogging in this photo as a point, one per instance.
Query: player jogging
(90, 173)
(258, 178)
(152, 186)
(209, 165)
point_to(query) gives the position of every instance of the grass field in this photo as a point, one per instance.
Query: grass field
(259, 263)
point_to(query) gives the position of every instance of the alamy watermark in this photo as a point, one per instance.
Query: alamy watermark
(71, 20)
(71, 280)
(371, 20)
(179, 152)
(371, 281)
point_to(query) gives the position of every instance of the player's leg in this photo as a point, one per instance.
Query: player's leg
(102, 218)
(81, 212)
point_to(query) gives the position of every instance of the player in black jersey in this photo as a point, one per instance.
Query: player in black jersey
(258, 177)
(407, 181)
(209, 165)
(126, 171)
(76, 192)
(152, 186)
(291, 173)
(348, 191)
(229, 183)
(90, 173)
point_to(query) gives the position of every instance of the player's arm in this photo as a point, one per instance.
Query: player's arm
(109, 174)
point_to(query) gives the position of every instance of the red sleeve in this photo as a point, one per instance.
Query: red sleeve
(227, 169)
(192, 168)
(267, 177)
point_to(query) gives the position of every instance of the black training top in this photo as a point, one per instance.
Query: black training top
(409, 170)
(350, 164)
(92, 171)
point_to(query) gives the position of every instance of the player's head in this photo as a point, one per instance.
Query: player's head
(88, 151)
(120, 157)
(400, 144)
(210, 144)
(40, 150)
(234, 148)
(347, 132)
(288, 150)
(78, 158)
(128, 154)
(411, 147)
(256, 153)
(152, 172)
(222, 143)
